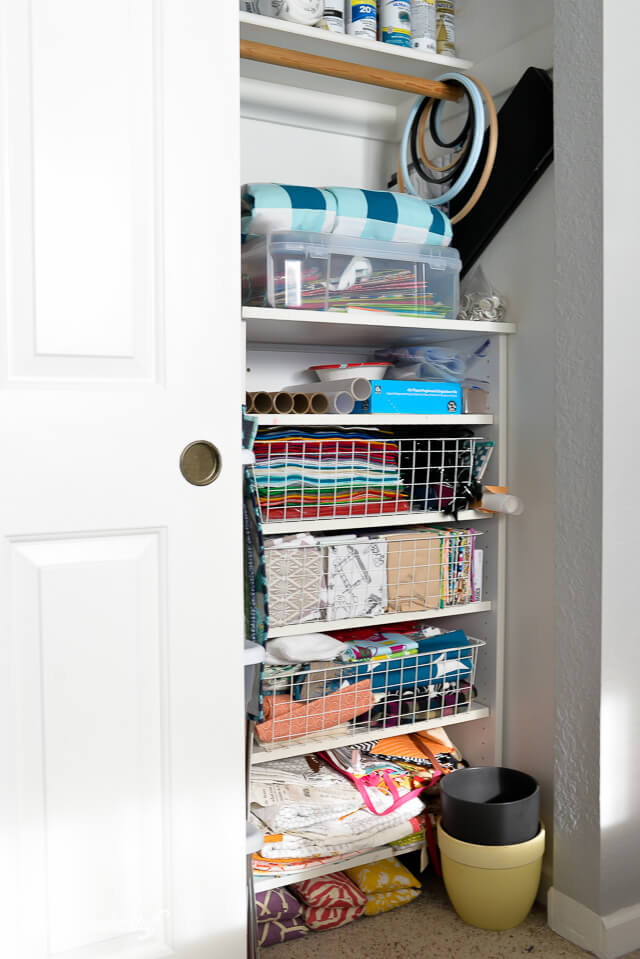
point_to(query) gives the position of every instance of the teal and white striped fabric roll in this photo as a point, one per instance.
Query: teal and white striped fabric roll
(395, 217)
(267, 207)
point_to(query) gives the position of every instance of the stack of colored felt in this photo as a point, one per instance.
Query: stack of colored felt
(302, 474)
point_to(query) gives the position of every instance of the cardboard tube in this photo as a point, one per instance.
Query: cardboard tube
(262, 403)
(301, 403)
(341, 402)
(503, 503)
(249, 402)
(358, 387)
(318, 403)
(282, 401)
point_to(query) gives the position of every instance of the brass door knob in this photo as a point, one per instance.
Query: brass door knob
(200, 463)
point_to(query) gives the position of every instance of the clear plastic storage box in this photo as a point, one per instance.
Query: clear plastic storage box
(317, 271)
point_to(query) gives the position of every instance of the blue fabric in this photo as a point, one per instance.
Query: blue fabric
(268, 207)
(345, 211)
(381, 209)
(439, 224)
(393, 217)
(305, 196)
(416, 670)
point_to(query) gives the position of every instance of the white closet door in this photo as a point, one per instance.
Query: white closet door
(121, 748)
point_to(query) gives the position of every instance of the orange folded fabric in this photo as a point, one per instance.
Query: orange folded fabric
(410, 745)
(286, 719)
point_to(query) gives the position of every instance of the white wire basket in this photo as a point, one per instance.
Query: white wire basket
(333, 578)
(316, 476)
(369, 695)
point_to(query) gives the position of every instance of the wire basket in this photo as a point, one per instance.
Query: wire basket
(367, 695)
(329, 475)
(332, 578)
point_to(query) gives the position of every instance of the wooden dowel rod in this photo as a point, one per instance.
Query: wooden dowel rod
(264, 53)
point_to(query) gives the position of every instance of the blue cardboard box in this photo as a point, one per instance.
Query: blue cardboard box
(411, 396)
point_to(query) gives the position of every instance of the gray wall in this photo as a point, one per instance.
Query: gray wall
(521, 263)
(597, 803)
(578, 158)
(620, 663)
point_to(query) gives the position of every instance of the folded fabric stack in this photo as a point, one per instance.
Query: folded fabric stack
(330, 902)
(306, 474)
(436, 657)
(279, 916)
(387, 884)
(428, 749)
(375, 681)
(314, 578)
(435, 701)
(286, 719)
(303, 692)
(347, 211)
(295, 580)
(322, 809)
(430, 568)
(314, 813)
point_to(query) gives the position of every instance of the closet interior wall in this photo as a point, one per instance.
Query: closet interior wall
(521, 263)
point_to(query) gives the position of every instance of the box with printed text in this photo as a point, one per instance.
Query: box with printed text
(411, 396)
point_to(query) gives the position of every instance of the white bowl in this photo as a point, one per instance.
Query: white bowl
(345, 371)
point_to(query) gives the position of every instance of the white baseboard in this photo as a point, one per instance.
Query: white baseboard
(608, 936)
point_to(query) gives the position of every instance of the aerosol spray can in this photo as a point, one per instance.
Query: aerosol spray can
(423, 25)
(446, 27)
(306, 12)
(395, 22)
(361, 19)
(333, 19)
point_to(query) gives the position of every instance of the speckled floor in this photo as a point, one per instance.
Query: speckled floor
(428, 928)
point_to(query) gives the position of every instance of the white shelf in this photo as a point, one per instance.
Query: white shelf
(255, 839)
(374, 419)
(332, 740)
(294, 36)
(253, 653)
(279, 527)
(366, 328)
(262, 883)
(323, 626)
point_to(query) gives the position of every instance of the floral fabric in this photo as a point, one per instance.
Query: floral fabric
(320, 918)
(329, 891)
(276, 904)
(280, 930)
(379, 902)
(387, 875)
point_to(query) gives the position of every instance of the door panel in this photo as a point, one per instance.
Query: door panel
(121, 609)
(91, 731)
(83, 122)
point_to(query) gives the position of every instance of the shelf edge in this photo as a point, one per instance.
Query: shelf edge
(324, 626)
(318, 743)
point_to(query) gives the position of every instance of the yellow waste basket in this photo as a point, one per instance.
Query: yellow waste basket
(492, 887)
